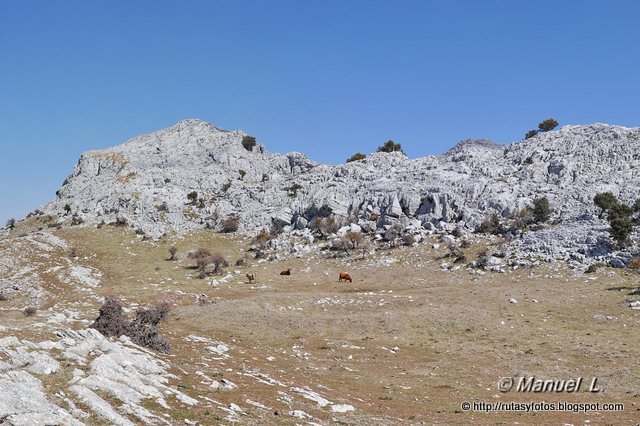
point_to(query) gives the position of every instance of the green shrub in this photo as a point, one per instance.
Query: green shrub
(548, 124)
(390, 146)
(355, 157)
(530, 134)
(528, 160)
(193, 197)
(248, 142)
(541, 210)
(605, 200)
(621, 228)
(619, 210)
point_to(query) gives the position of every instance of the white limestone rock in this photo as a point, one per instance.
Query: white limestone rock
(145, 182)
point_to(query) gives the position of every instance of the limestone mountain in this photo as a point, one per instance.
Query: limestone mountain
(147, 181)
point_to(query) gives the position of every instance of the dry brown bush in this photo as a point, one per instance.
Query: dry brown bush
(143, 329)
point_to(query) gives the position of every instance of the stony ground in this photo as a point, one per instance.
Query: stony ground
(406, 343)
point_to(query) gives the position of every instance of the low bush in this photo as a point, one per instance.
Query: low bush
(230, 224)
(594, 267)
(541, 210)
(547, 125)
(248, 142)
(142, 330)
(356, 157)
(483, 258)
(490, 225)
(192, 197)
(635, 263)
(408, 239)
(29, 312)
(390, 146)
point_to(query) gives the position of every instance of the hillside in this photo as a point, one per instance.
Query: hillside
(418, 329)
(145, 183)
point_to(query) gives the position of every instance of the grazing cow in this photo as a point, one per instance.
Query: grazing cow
(251, 277)
(345, 277)
(287, 272)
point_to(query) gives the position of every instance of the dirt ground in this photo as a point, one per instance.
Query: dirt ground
(405, 343)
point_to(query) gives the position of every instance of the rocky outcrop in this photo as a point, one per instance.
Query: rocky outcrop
(146, 181)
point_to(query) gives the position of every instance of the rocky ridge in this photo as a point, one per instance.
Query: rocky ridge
(145, 183)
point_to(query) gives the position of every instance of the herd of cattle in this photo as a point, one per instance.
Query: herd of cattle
(342, 277)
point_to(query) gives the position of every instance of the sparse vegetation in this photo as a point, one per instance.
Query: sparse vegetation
(547, 125)
(390, 146)
(541, 210)
(263, 238)
(30, 311)
(204, 258)
(491, 225)
(349, 241)
(248, 142)
(544, 126)
(242, 174)
(604, 200)
(230, 224)
(594, 267)
(619, 216)
(326, 225)
(528, 160)
(408, 240)
(292, 191)
(635, 263)
(11, 223)
(192, 197)
(620, 229)
(143, 329)
(76, 220)
(356, 157)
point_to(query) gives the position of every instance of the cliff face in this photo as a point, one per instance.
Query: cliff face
(146, 180)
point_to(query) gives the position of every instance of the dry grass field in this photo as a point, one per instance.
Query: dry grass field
(406, 343)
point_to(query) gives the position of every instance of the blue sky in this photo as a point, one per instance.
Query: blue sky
(327, 78)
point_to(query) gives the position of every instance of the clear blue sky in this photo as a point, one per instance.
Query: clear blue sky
(328, 78)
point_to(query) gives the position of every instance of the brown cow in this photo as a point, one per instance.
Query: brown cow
(251, 277)
(345, 277)
(287, 272)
